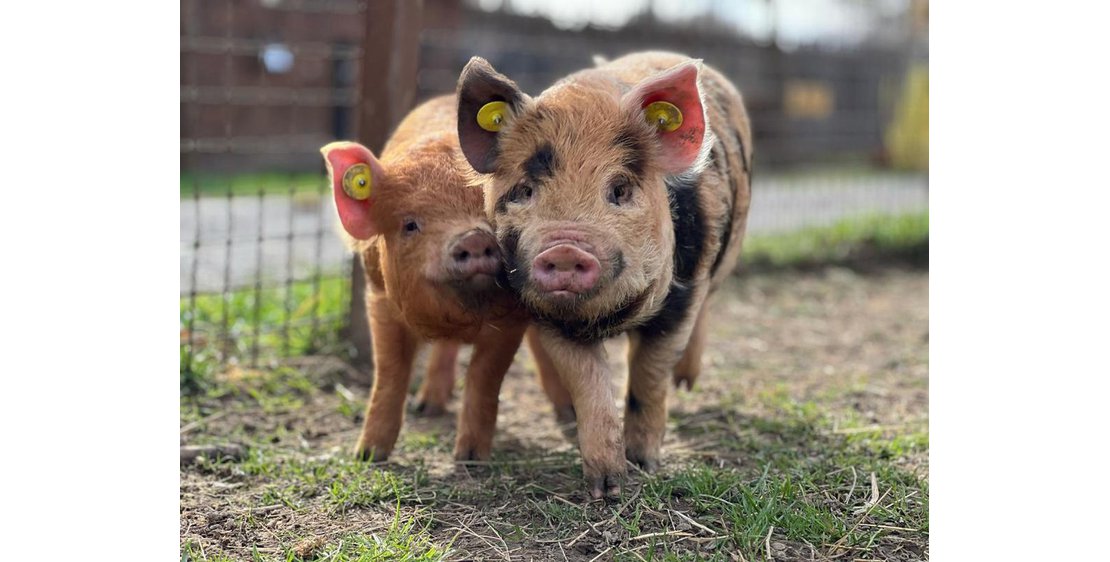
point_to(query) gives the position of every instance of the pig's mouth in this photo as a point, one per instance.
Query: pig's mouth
(576, 323)
(474, 287)
(579, 288)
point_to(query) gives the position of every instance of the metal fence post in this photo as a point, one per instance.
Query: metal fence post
(390, 52)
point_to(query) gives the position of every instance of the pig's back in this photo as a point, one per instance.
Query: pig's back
(431, 125)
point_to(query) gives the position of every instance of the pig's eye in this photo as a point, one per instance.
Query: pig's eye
(410, 226)
(520, 193)
(620, 192)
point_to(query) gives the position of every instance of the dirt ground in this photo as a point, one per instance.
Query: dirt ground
(805, 438)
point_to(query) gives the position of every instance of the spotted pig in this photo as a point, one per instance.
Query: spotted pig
(620, 197)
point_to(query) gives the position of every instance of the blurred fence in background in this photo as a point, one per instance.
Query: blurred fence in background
(838, 98)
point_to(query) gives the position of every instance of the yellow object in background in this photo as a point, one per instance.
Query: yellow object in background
(907, 138)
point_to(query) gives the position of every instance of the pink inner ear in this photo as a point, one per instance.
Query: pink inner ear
(354, 214)
(678, 85)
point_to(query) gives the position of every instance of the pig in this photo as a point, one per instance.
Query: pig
(620, 197)
(431, 262)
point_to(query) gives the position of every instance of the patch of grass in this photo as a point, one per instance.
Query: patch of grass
(273, 391)
(340, 482)
(406, 539)
(192, 552)
(214, 185)
(805, 471)
(299, 319)
(856, 241)
(363, 489)
(425, 441)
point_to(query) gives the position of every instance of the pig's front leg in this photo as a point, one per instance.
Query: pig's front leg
(584, 370)
(493, 355)
(653, 353)
(394, 350)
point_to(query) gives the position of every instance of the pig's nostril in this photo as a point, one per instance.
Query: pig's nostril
(489, 251)
(463, 255)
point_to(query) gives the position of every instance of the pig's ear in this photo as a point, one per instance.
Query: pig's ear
(354, 174)
(671, 101)
(487, 101)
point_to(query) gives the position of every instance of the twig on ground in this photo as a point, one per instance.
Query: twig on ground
(871, 428)
(197, 423)
(576, 539)
(554, 495)
(861, 518)
(812, 551)
(767, 543)
(874, 497)
(691, 521)
(262, 510)
(499, 537)
(661, 534)
(890, 527)
(345, 393)
(484, 539)
(603, 553)
(851, 490)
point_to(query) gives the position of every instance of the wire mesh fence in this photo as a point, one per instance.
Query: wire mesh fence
(839, 118)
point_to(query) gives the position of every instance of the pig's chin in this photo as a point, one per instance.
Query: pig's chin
(568, 306)
(584, 318)
(476, 292)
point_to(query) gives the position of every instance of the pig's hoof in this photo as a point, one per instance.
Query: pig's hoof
(468, 453)
(685, 379)
(645, 463)
(371, 454)
(606, 486)
(429, 409)
(565, 415)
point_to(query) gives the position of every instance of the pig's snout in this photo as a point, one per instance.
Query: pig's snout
(475, 253)
(565, 268)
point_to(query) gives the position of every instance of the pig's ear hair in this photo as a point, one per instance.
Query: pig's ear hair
(672, 102)
(480, 117)
(355, 175)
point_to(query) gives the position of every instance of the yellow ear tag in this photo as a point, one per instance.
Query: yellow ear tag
(357, 182)
(492, 115)
(663, 115)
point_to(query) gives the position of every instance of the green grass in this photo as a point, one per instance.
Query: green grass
(257, 319)
(406, 539)
(778, 466)
(854, 241)
(217, 185)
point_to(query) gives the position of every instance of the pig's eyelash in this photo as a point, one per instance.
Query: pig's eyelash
(520, 192)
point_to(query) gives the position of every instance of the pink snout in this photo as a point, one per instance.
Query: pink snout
(565, 268)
